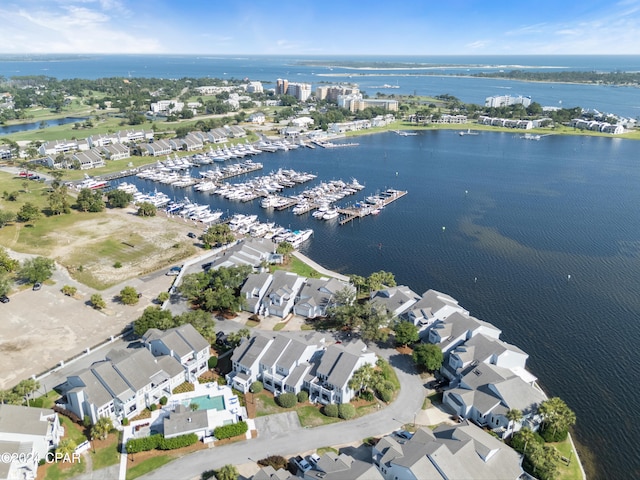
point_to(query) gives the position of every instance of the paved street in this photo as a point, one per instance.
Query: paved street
(402, 411)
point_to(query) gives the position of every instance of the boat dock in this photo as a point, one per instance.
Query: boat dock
(352, 213)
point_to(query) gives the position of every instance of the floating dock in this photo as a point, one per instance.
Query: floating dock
(388, 197)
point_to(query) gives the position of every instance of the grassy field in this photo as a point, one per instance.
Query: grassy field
(572, 470)
(62, 471)
(297, 266)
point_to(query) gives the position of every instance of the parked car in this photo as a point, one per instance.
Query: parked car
(37, 286)
(191, 235)
(4, 299)
(314, 458)
(301, 463)
(404, 434)
(207, 266)
(174, 271)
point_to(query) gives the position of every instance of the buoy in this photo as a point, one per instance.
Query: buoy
(466, 192)
(443, 229)
(568, 277)
(475, 279)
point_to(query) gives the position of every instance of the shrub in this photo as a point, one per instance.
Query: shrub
(385, 395)
(275, 461)
(163, 297)
(346, 411)
(125, 421)
(213, 363)
(256, 387)
(163, 400)
(177, 442)
(69, 290)
(367, 395)
(97, 302)
(86, 421)
(233, 430)
(153, 407)
(287, 400)
(303, 397)
(550, 436)
(117, 265)
(330, 410)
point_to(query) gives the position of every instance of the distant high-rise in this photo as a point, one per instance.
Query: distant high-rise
(302, 91)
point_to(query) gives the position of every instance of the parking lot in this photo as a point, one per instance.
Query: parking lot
(39, 329)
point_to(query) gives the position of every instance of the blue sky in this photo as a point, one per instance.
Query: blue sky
(327, 27)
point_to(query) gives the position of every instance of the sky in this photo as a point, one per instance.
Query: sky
(327, 27)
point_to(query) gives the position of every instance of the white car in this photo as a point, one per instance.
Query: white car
(314, 458)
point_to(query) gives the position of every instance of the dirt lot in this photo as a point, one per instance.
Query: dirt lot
(41, 328)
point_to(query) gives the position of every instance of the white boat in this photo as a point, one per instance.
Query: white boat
(330, 214)
(468, 132)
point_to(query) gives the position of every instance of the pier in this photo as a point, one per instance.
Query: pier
(389, 196)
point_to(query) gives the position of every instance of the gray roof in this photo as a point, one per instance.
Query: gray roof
(252, 287)
(275, 350)
(269, 473)
(251, 350)
(184, 421)
(297, 374)
(344, 467)
(112, 380)
(395, 299)
(517, 394)
(95, 392)
(136, 367)
(337, 364)
(456, 452)
(24, 420)
(283, 283)
(182, 340)
(457, 324)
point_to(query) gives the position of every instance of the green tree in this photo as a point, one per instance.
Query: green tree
(7, 264)
(513, 415)
(201, 320)
(28, 213)
(227, 472)
(358, 281)
(377, 280)
(66, 447)
(69, 290)
(428, 356)
(90, 200)
(97, 302)
(373, 322)
(118, 198)
(26, 387)
(6, 217)
(147, 209)
(363, 379)
(153, 317)
(59, 200)
(556, 415)
(5, 283)
(219, 234)
(129, 295)
(234, 338)
(285, 249)
(163, 297)
(405, 333)
(102, 427)
(37, 270)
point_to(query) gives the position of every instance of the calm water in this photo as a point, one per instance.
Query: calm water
(534, 213)
(621, 101)
(22, 127)
(520, 216)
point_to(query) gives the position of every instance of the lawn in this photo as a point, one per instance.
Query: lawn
(298, 266)
(145, 466)
(571, 471)
(309, 415)
(61, 471)
(105, 452)
(72, 430)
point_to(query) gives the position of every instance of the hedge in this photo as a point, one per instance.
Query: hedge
(158, 442)
(233, 430)
(385, 395)
(330, 410)
(287, 400)
(303, 397)
(346, 411)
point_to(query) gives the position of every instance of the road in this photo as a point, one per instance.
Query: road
(400, 412)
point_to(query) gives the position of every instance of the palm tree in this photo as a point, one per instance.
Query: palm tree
(101, 429)
(513, 415)
(26, 387)
(556, 414)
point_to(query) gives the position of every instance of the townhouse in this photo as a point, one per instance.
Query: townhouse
(458, 451)
(432, 306)
(27, 434)
(285, 364)
(395, 300)
(128, 381)
(282, 293)
(317, 294)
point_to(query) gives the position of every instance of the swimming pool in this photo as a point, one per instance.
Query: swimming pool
(205, 402)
